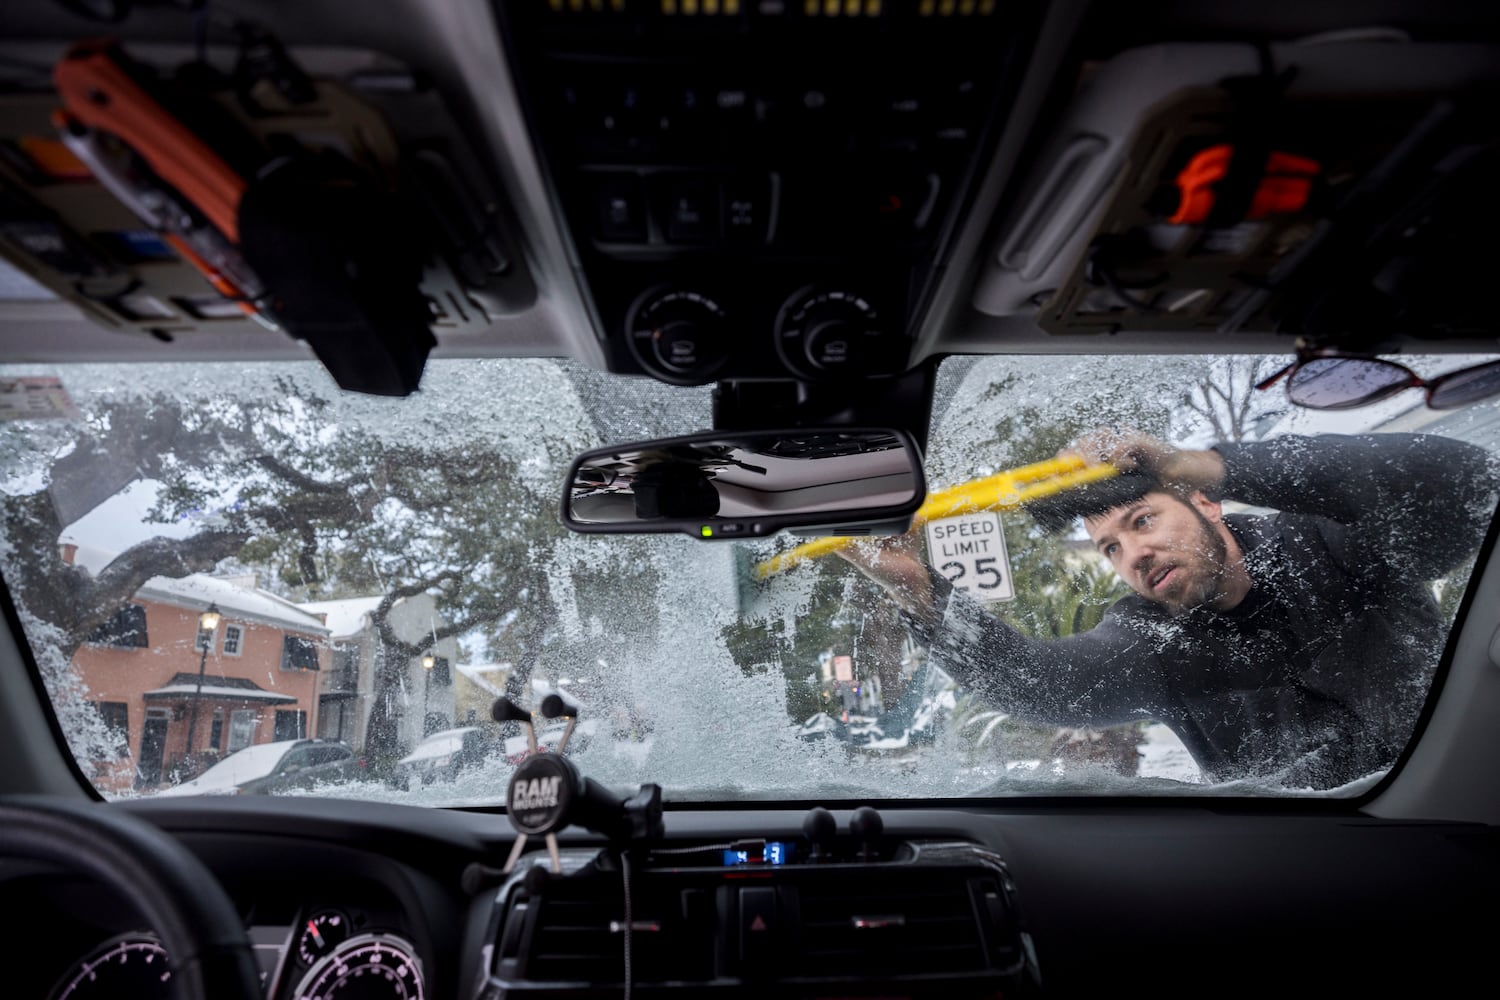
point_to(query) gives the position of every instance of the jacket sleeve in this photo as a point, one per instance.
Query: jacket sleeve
(1105, 676)
(1411, 504)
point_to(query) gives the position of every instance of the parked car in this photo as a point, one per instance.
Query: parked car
(442, 756)
(549, 735)
(273, 768)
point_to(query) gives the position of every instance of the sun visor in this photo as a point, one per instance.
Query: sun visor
(170, 201)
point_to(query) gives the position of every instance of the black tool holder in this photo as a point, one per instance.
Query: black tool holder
(547, 792)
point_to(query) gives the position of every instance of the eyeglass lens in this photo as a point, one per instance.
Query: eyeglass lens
(1334, 383)
(1466, 386)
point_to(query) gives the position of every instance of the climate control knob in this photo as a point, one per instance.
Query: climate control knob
(678, 336)
(828, 333)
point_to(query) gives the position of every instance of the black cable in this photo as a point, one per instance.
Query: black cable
(629, 916)
(704, 849)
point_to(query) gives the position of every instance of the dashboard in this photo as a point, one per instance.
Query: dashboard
(994, 900)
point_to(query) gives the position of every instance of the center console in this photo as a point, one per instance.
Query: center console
(924, 919)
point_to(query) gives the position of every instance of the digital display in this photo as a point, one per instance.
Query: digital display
(775, 852)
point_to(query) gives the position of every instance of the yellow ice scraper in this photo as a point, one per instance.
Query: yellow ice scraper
(1000, 492)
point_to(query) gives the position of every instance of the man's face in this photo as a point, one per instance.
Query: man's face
(1168, 550)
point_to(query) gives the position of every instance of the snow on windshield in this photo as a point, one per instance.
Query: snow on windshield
(383, 569)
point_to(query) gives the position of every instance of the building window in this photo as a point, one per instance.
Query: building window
(126, 629)
(440, 672)
(241, 728)
(290, 725)
(201, 639)
(345, 669)
(233, 637)
(116, 715)
(299, 653)
(216, 731)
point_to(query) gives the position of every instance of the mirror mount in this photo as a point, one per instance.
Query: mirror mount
(901, 401)
(726, 485)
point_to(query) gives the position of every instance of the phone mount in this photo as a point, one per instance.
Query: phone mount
(548, 793)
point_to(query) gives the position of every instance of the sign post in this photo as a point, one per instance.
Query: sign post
(969, 551)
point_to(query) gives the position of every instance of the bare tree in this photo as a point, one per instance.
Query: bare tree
(1226, 399)
(338, 511)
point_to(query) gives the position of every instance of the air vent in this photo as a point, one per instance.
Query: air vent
(573, 933)
(894, 924)
(574, 941)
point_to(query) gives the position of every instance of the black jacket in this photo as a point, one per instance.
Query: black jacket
(1318, 677)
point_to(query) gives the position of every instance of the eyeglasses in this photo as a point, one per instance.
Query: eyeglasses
(1325, 380)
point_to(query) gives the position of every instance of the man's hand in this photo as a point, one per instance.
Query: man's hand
(895, 562)
(1131, 451)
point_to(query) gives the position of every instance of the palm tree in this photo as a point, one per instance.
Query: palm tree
(1075, 605)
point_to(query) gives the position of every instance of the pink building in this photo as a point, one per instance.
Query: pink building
(259, 680)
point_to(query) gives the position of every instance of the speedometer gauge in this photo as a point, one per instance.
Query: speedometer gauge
(320, 935)
(367, 967)
(131, 965)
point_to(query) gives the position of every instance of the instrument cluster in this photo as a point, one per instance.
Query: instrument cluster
(305, 951)
(371, 964)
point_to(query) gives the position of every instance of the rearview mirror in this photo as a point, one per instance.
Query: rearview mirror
(737, 484)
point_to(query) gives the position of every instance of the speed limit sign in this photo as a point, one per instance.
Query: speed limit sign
(970, 551)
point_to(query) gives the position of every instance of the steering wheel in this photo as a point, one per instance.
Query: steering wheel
(174, 892)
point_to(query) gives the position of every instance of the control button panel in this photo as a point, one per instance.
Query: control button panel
(748, 155)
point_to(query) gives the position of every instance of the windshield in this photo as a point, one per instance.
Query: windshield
(209, 558)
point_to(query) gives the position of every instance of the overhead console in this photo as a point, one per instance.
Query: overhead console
(762, 189)
(1333, 189)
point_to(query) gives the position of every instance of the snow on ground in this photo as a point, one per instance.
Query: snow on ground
(1164, 756)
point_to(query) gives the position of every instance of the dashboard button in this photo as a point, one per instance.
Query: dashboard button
(690, 211)
(747, 210)
(621, 209)
(676, 346)
(758, 930)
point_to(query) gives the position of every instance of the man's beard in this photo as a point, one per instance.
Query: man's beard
(1214, 557)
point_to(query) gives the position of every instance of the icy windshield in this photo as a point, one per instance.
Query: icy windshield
(1134, 576)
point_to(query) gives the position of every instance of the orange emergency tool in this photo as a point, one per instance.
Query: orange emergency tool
(99, 91)
(155, 165)
(302, 240)
(1284, 187)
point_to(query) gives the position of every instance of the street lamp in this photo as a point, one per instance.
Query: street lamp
(208, 623)
(428, 662)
